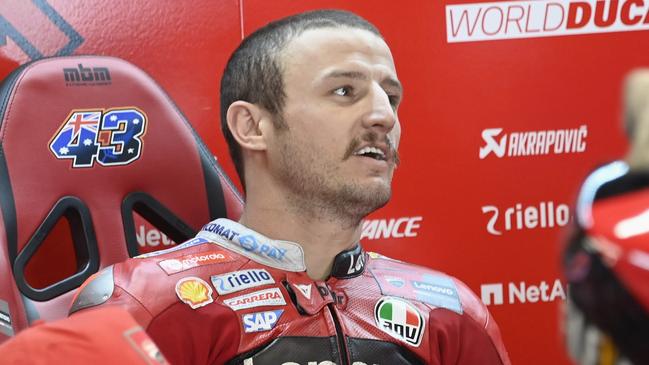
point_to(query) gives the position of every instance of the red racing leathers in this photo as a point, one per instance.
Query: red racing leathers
(233, 296)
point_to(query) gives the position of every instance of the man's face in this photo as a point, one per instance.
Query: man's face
(339, 151)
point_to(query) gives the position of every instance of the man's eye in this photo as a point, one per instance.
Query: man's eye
(394, 100)
(343, 91)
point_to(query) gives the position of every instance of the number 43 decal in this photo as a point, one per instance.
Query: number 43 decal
(112, 137)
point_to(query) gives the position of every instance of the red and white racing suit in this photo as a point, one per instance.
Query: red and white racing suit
(233, 296)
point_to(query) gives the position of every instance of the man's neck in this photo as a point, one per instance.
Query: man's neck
(321, 238)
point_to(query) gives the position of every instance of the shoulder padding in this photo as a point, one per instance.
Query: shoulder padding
(96, 290)
(418, 283)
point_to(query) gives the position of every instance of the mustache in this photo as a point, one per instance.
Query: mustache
(372, 137)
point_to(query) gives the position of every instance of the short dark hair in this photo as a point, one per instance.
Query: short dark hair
(254, 72)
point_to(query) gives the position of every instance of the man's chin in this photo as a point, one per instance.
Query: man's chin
(372, 197)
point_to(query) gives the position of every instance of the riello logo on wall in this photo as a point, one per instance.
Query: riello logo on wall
(543, 18)
(532, 143)
(543, 215)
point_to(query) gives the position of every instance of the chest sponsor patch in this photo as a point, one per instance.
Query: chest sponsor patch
(400, 319)
(194, 292)
(437, 290)
(176, 265)
(259, 298)
(261, 321)
(239, 280)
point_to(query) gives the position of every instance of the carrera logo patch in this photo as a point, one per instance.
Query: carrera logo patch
(172, 266)
(260, 298)
(239, 280)
(111, 137)
(261, 321)
(400, 319)
(194, 292)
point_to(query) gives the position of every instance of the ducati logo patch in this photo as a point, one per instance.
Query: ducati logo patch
(111, 137)
(400, 319)
(194, 292)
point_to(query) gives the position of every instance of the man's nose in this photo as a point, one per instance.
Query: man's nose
(380, 114)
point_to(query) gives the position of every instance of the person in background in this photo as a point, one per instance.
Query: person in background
(101, 336)
(607, 260)
(309, 109)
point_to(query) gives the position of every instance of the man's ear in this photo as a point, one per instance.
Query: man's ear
(243, 120)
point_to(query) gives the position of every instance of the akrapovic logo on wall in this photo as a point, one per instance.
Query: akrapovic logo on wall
(543, 18)
(498, 143)
(522, 292)
(517, 217)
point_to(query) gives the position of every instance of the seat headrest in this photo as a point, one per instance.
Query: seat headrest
(96, 136)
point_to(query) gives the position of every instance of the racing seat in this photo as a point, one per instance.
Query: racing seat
(90, 147)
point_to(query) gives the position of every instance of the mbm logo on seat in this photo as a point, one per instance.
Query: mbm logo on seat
(112, 137)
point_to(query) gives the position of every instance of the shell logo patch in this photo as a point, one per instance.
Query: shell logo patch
(194, 292)
(399, 319)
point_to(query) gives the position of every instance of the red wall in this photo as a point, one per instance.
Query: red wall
(454, 91)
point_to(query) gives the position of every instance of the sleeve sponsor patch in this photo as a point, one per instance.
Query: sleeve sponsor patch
(186, 262)
(267, 297)
(437, 290)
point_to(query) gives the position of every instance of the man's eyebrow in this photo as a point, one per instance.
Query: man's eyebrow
(346, 74)
(362, 76)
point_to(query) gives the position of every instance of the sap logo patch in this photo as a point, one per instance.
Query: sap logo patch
(399, 319)
(239, 280)
(259, 298)
(194, 292)
(261, 321)
(111, 137)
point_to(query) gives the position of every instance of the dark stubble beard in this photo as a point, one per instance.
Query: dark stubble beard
(318, 192)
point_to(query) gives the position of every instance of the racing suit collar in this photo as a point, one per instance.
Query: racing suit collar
(284, 255)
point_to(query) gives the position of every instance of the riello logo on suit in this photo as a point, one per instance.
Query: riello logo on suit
(543, 18)
(499, 143)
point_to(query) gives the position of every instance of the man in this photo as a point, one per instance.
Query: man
(309, 109)
(607, 260)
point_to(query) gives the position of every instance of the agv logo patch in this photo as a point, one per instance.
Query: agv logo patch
(400, 319)
(111, 137)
